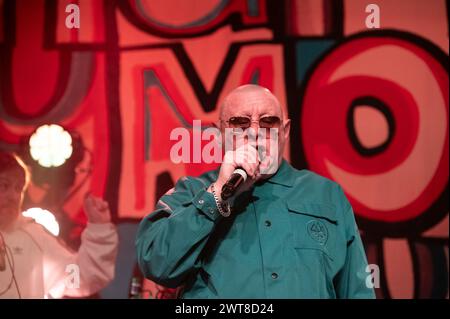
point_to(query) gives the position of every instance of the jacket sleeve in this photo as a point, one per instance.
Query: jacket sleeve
(351, 280)
(170, 239)
(82, 273)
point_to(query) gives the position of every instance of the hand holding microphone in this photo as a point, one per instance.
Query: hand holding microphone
(239, 171)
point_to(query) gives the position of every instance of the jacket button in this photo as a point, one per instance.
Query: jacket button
(274, 275)
(267, 223)
(201, 201)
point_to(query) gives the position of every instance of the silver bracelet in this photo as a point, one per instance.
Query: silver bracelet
(220, 208)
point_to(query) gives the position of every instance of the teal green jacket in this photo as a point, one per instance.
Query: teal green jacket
(292, 236)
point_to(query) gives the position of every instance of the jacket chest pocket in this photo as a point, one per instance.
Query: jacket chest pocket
(314, 227)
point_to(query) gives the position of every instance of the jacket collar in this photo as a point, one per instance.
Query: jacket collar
(285, 175)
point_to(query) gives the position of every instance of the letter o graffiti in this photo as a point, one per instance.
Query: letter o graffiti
(398, 179)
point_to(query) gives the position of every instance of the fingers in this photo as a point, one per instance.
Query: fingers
(246, 153)
(252, 170)
(96, 202)
(247, 157)
(96, 209)
(102, 205)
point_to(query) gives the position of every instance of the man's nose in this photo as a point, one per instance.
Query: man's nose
(252, 133)
(255, 125)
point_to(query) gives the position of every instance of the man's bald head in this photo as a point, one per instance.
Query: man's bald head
(249, 99)
(256, 103)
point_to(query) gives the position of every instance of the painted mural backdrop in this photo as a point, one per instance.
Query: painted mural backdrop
(369, 108)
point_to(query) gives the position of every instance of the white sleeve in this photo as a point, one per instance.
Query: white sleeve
(83, 273)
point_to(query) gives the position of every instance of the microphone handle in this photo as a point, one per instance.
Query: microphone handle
(236, 179)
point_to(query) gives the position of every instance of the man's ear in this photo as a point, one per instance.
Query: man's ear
(287, 128)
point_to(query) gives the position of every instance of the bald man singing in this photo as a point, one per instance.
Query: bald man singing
(284, 233)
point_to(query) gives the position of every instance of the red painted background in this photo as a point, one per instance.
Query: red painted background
(369, 107)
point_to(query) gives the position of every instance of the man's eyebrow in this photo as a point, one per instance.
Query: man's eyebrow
(239, 115)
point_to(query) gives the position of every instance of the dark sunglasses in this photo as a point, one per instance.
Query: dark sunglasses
(245, 122)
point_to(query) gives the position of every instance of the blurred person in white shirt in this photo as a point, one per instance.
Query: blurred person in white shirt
(36, 264)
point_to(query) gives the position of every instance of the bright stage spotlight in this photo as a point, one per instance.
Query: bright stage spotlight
(43, 217)
(50, 145)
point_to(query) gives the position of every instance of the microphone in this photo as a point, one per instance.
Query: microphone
(236, 179)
